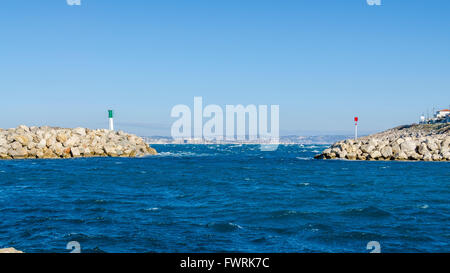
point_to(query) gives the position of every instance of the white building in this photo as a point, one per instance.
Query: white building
(441, 116)
(442, 113)
(422, 119)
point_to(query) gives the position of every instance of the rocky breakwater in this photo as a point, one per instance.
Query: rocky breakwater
(51, 142)
(427, 142)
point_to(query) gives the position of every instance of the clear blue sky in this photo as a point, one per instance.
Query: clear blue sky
(322, 61)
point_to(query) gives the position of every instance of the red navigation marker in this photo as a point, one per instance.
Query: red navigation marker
(356, 119)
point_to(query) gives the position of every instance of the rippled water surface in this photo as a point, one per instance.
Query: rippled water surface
(219, 198)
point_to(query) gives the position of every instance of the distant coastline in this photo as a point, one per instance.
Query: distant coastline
(283, 140)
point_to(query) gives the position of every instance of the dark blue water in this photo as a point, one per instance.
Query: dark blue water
(222, 198)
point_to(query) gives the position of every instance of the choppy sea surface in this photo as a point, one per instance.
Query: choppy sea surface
(224, 198)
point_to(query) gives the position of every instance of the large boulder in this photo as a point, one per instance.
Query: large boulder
(75, 152)
(431, 144)
(336, 150)
(18, 153)
(401, 156)
(427, 156)
(42, 144)
(23, 128)
(32, 153)
(50, 141)
(395, 148)
(386, 151)
(61, 137)
(22, 139)
(3, 141)
(72, 141)
(342, 154)
(414, 156)
(368, 148)
(31, 145)
(436, 157)
(423, 149)
(48, 153)
(375, 154)
(350, 156)
(15, 145)
(111, 150)
(445, 144)
(3, 150)
(408, 146)
(80, 131)
(446, 155)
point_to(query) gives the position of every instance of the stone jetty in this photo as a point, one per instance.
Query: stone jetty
(426, 142)
(54, 142)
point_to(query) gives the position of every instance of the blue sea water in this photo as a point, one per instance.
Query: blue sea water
(224, 198)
